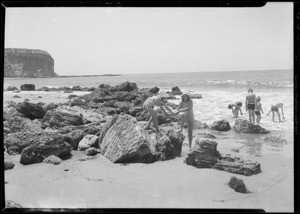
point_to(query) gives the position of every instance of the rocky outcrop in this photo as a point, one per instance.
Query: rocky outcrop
(45, 145)
(204, 154)
(154, 90)
(176, 91)
(20, 124)
(27, 87)
(220, 125)
(244, 126)
(31, 110)
(126, 86)
(61, 119)
(28, 63)
(123, 141)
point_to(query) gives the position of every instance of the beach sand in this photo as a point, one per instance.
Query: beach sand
(98, 183)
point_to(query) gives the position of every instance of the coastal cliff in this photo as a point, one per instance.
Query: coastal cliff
(28, 63)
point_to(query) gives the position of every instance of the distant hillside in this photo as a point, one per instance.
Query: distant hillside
(28, 63)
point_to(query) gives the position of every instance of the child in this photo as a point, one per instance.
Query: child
(236, 108)
(275, 108)
(258, 109)
(149, 104)
(185, 109)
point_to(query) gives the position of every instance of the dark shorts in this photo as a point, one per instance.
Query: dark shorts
(274, 108)
(251, 106)
(257, 113)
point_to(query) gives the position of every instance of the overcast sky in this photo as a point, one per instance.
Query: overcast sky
(156, 40)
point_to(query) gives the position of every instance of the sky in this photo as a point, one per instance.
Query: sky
(116, 40)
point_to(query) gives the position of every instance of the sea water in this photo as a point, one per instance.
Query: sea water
(218, 89)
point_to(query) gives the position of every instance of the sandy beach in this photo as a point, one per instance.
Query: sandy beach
(99, 183)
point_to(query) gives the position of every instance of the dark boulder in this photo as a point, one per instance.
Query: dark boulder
(126, 86)
(76, 88)
(12, 88)
(27, 87)
(45, 145)
(41, 104)
(74, 137)
(92, 151)
(238, 185)
(110, 104)
(60, 119)
(204, 154)
(8, 164)
(105, 86)
(154, 90)
(51, 106)
(20, 124)
(31, 110)
(77, 102)
(244, 126)
(220, 125)
(16, 96)
(176, 91)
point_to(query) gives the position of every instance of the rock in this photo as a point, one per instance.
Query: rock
(71, 96)
(244, 126)
(122, 140)
(20, 124)
(41, 104)
(12, 104)
(60, 119)
(76, 88)
(97, 95)
(12, 88)
(51, 106)
(195, 96)
(88, 89)
(126, 86)
(74, 137)
(238, 185)
(40, 97)
(8, 165)
(45, 144)
(77, 102)
(237, 165)
(68, 91)
(31, 110)
(176, 91)
(207, 135)
(198, 125)
(134, 110)
(105, 86)
(123, 107)
(28, 63)
(52, 159)
(220, 125)
(16, 96)
(44, 89)
(204, 154)
(87, 142)
(12, 112)
(27, 87)
(26, 100)
(91, 151)
(154, 90)
(12, 204)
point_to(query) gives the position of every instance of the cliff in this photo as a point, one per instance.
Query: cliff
(28, 63)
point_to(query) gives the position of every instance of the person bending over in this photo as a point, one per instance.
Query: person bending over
(236, 108)
(185, 110)
(148, 106)
(275, 109)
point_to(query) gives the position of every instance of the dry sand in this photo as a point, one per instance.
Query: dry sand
(98, 183)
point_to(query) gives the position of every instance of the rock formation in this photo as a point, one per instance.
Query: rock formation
(244, 126)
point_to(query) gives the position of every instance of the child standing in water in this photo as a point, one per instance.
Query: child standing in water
(275, 108)
(250, 105)
(258, 109)
(185, 109)
(236, 108)
(149, 104)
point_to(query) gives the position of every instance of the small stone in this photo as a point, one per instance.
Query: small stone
(238, 185)
(52, 160)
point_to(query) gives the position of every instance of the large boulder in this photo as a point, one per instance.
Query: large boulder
(27, 87)
(87, 142)
(74, 137)
(244, 126)
(60, 119)
(204, 154)
(45, 145)
(176, 91)
(154, 90)
(31, 110)
(125, 86)
(20, 124)
(123, 141)
(220, 125)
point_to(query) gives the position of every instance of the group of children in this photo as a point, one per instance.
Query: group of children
(254, 107)
(185, 110)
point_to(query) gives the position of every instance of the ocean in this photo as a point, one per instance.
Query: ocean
(218, 89)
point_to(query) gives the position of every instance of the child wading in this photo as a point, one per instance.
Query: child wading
(236, 108)
(275, 108)
(159, 100)
(258, 109)
(250, 105)
(185, 110)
